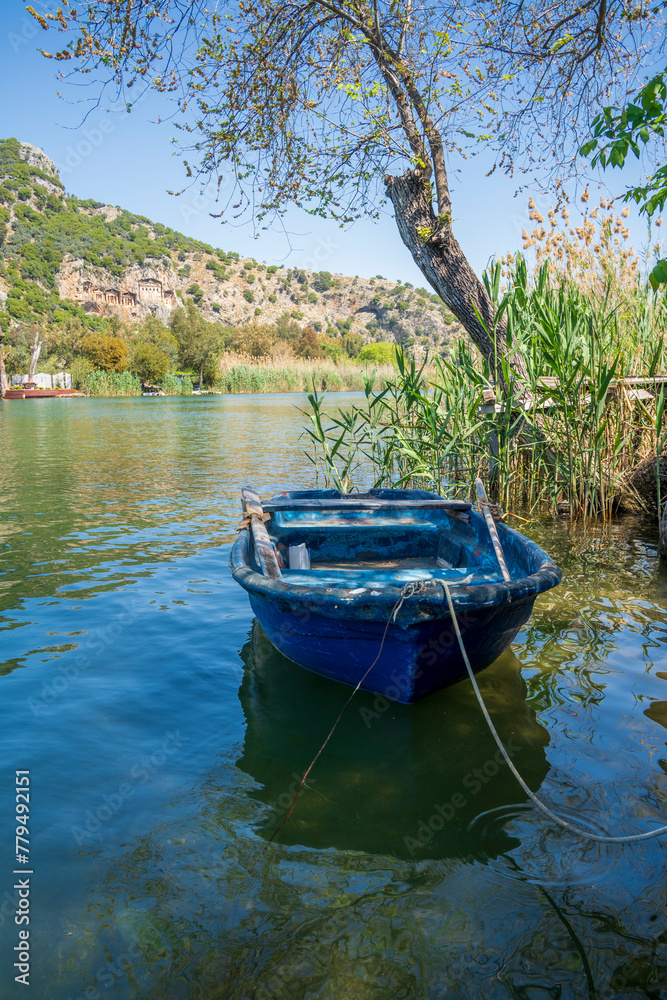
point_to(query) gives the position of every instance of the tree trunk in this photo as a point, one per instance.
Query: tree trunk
(36, 350)
(201, 376)
(444, 265)
(4, 384)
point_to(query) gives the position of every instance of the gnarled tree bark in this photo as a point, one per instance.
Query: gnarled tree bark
(441, 260)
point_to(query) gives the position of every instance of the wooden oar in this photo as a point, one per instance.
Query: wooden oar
(263, 545)
(493, 531)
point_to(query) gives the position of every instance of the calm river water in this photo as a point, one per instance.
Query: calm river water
(164, 738)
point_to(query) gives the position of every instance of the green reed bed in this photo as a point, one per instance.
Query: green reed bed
(565, 444)
(100, 383)
(241, 373)
(174, 386)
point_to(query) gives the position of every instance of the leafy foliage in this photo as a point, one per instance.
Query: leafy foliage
(640, 121)
(106, 352)
(353, 344)
(149, 363)
(308, 345)
(379, 352)
(197, 340)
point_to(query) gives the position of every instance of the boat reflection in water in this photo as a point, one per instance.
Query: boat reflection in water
(395, 779)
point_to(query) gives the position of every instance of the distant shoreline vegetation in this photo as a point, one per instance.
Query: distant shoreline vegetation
(241, 373)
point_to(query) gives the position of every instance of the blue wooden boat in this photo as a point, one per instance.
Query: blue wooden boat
(378, 556)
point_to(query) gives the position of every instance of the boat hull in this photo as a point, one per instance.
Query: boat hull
(374, 592)
(413, 661)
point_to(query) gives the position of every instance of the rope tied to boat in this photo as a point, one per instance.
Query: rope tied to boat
(565, 824)
(248, 518)
(417, 587)
(494, 510)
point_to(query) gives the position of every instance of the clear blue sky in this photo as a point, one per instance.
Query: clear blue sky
(129, 160)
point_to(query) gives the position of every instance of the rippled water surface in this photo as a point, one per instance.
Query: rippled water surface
(165, 738)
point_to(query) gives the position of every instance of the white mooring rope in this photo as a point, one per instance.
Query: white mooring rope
(601, 838)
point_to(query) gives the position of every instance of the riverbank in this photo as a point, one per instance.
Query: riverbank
(240, 373)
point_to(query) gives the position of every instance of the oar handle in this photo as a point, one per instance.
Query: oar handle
(493, 531)
(266, 553)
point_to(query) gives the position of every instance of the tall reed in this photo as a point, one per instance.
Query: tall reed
(100, 383)
(243, 373)
(562, 440)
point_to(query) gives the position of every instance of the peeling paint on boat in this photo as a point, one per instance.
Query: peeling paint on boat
(332, 617)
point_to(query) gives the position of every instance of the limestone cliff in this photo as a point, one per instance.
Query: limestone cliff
(111, 262)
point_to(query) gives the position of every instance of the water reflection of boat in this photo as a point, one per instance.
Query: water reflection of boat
(395, 779)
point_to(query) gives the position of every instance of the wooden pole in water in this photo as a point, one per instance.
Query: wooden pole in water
(493, 531)
(266, 553)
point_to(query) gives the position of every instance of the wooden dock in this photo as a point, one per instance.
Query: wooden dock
(39, 393)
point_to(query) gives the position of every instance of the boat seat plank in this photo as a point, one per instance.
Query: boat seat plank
(339, 520)
(362, 503)
(369, 578)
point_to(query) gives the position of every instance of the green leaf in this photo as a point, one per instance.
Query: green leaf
(658, 275)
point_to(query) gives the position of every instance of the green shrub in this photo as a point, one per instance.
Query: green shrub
(353, 343)
(171, 385)
(149, 362)
(80, 368)
(380, 353)
(323, 281)
(248, 296)
(218, 270)
(196, 292)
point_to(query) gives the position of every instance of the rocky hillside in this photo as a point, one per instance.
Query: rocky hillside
(60, 255)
